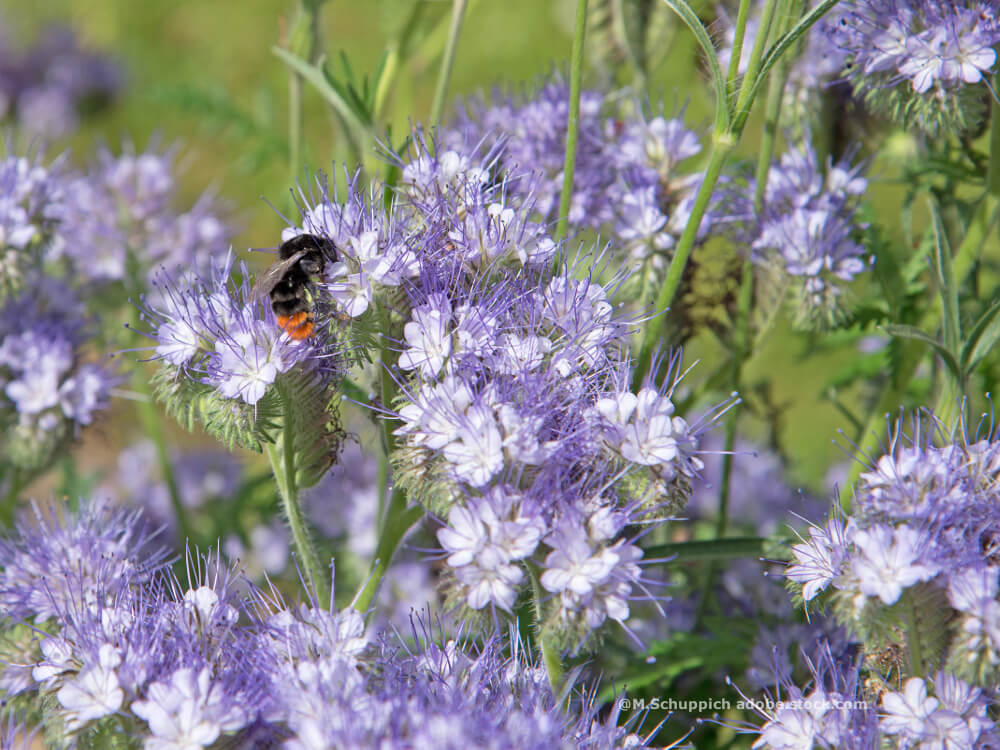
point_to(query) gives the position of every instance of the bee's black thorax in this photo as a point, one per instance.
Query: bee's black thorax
(290, 295)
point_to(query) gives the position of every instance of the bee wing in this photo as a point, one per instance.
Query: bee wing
(267, 280)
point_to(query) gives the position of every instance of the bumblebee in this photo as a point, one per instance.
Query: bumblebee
(287, 283)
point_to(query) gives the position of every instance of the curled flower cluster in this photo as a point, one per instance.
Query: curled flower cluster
(46, 88)
(924, 534)
(921, 61)
(808, 232)
(125, 652)
(49, 390)
(227, 363)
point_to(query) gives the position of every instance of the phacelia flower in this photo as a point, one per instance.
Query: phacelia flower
(918, 61)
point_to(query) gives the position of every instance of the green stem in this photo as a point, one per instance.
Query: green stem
(303, 40)
(8, 510)
(744, 99)
(993, 171)
(398, 520)
(722, 146)
(550, 654)
(397, 48)
(444, 73)
(573, 126)
(282, 458)
(294, 124)
(742, 345)
(734, 61)
(914, 644)
(152, 423)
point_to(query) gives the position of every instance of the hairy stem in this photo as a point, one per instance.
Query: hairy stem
(573, 125)
(550, 654)
(282, 458)
(914, 643)
(722, 146)
(444, 73)
(734, 61)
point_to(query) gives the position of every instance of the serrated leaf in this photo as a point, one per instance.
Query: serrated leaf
(915, 334)
(984, 335)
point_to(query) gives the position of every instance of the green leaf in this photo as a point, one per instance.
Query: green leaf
(317, 76)
(708, 549)
(862, 367)
(690, 18)
(726, 646)
(947, 285)
(915, 334)
(984, 335)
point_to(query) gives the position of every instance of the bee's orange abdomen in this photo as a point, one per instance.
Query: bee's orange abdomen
(298, 326)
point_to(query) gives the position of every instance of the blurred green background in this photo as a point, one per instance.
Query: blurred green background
(201, 74)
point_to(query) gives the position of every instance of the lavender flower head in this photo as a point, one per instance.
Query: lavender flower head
(29, 209)
(120, 214)
(921, 62)
(49, 392)
(923, 532)
(46, 89)
(223, 354)
(809, 231)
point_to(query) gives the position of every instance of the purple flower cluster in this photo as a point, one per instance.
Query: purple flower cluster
(45, 89)
(518, 428)
(920, 60)
(29, 210)
(120, 215)
(48, 390)
(838, 710)
(124, 648)
(215, 332)
(924, 532)
(628, 183)
(808, 231)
